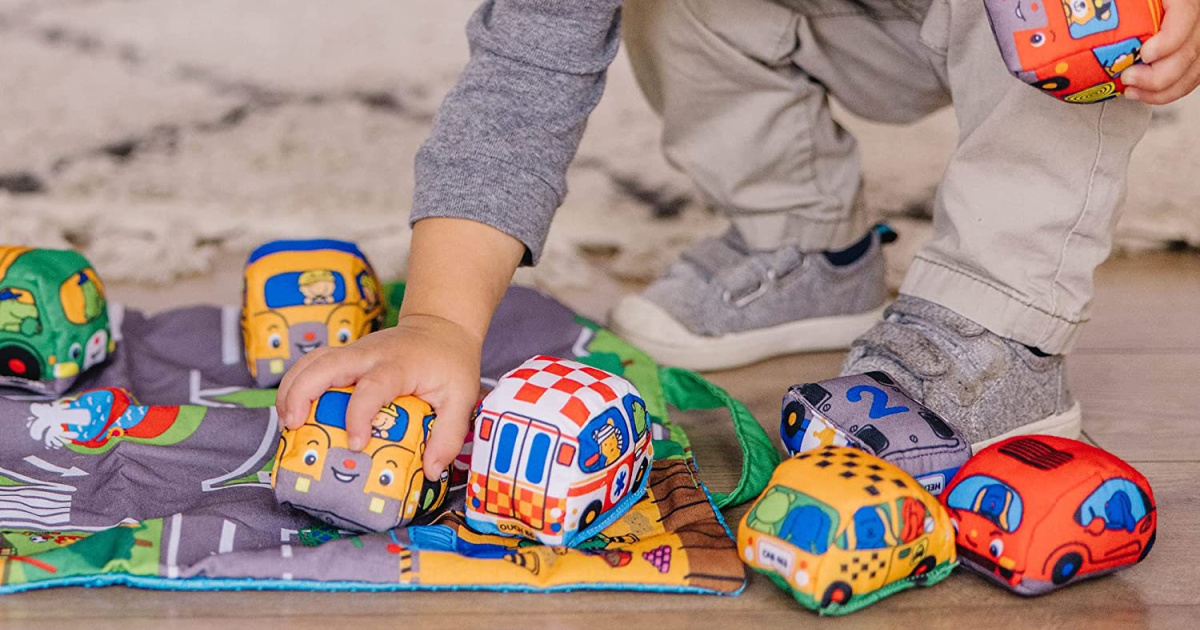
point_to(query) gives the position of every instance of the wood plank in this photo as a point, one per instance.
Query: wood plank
(1145, 303)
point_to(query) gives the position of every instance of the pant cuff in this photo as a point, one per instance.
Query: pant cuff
(993, 306)
(768, 231)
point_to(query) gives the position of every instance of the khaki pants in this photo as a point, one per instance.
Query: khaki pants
(1027, 206)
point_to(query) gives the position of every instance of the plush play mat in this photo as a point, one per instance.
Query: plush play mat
(154, 472)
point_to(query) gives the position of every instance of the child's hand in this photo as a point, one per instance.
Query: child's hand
(1170, 70)
(457, 272)
(425, 356)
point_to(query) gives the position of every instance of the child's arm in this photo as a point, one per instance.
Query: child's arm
(458, 271)
(489, 179)
(1172, 57)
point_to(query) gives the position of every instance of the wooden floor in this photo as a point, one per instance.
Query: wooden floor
(1136, 370)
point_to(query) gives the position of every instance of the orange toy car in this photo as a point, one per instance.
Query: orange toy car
(1075, 50)
(1035, 513)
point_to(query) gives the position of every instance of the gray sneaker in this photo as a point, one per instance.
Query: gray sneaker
(722, 306)
(990, 388)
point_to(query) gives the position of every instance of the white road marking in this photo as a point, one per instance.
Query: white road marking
(228, 529)
(209, 485)
(173, 546)
(231, 335)
(73, 471)
(286, 551)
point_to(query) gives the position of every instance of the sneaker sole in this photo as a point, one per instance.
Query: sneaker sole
(652, 329)
(1068, 424)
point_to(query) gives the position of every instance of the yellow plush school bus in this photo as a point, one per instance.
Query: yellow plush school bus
(381, 487)
(301, 295)
(840, 528)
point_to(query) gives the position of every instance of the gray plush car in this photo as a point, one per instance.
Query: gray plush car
(871, 412)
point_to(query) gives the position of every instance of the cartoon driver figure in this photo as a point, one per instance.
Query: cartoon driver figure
(384, 421)
(609, 440)
(318, 286)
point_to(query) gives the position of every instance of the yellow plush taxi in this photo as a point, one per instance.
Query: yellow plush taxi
(301, 295)
(840, 529)
(377, 489)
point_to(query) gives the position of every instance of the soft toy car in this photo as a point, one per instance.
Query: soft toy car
(380, 488)
(871, 412)
(561, 450)
(1036, 513)
(840, 529)
(53, 319)
(301, 295)
(1074, 50)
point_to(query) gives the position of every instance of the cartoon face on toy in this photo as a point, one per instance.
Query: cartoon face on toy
(560, 449)
(871, 412)
(303, 295)
(53, 319)
(380, 488)
(1037, 513)
(840, 528)
(1074, 50)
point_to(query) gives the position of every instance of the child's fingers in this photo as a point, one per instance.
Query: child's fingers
(446, 439)
(1178, 26)
(333, 369)
(1171, 93)
(1159, 76)
(285, 385)
(372, 391)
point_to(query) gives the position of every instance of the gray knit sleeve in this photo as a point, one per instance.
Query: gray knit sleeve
(504, 136)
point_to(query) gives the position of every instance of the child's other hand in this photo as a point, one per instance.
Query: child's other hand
(426, 356)
(1170, 70)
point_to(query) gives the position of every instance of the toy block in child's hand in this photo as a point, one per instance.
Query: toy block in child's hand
(377, 489)
(1074, 50)
(871, 412)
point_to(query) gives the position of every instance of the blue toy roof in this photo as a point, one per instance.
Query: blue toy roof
(310, 245)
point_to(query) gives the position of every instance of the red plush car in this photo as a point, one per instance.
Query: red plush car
(1034, 513)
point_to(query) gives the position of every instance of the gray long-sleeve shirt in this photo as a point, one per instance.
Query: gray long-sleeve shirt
(504, 136)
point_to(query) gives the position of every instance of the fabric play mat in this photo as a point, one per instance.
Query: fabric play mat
(165, 480)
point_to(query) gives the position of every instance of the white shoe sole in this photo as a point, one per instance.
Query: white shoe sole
(651, 328)
(1068, 424)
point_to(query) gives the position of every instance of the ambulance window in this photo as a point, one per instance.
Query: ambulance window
(636, 409)
(505, 446)
(535, 463)
(869, 529)
(1118, 501)
(990, 498)
(82, 297)
(314, 286)
(18, 312)
(603, 441)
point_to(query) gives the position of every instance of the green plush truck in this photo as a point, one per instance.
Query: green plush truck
(53, 318)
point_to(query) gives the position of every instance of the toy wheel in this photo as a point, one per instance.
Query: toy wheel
(837, 593)
(641, 474)
(590, 514)
(19, 362)
(1066, 568)
(793, 418)
(1149, 546)
(920, 573)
